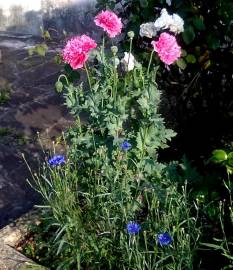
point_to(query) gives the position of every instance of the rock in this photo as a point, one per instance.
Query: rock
(33, 106)
(10, 259)
(11, 234)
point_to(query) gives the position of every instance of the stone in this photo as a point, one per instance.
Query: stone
(34, 106)
(10, 236)
(26, 16)
(10, 259)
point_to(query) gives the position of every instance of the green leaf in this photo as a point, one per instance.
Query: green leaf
(70, 73)
(199, 23)
(181, 63)
(183, 53)
(228, 256)
(190, 58)
(57, 59)
(219, 155)
(68, 69)
(74, 75)
(229, 169)
(150, 166)
(144, 3)
(144, 103)
(230, 159)
(46, 35)
(188, 35)
(41, 49)
(213, 41)
(31, 51)
(59, 86)
(216, 247)
(140, 139)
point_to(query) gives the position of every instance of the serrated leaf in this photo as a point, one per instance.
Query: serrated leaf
(143, 102)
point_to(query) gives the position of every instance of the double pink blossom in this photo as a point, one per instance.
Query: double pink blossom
(167, 48)
(109, 21)
(76, 51)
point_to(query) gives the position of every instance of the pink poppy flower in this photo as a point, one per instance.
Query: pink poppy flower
(76, 51)
(167, 48)
(87, 43)
(109, 21)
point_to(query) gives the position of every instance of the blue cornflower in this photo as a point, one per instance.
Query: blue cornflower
(125, 146)
(164, 239)
(56, 160)
(133, 228)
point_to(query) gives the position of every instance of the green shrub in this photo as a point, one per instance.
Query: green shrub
(109, 202)
(89, 204)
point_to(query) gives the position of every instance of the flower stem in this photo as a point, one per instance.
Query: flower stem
(79, 124)
(130, 50)
(63, 76)
(88, 76)
(115, 80)
(148, 69)
(103, 47)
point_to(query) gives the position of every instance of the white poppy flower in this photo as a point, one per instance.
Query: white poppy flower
(178, 24)
(172, 22)
(147, 30)
(164, 21)
(128, 61)
(169, 2)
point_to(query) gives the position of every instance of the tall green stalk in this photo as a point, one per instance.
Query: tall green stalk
(148, 68)
(88, 76)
